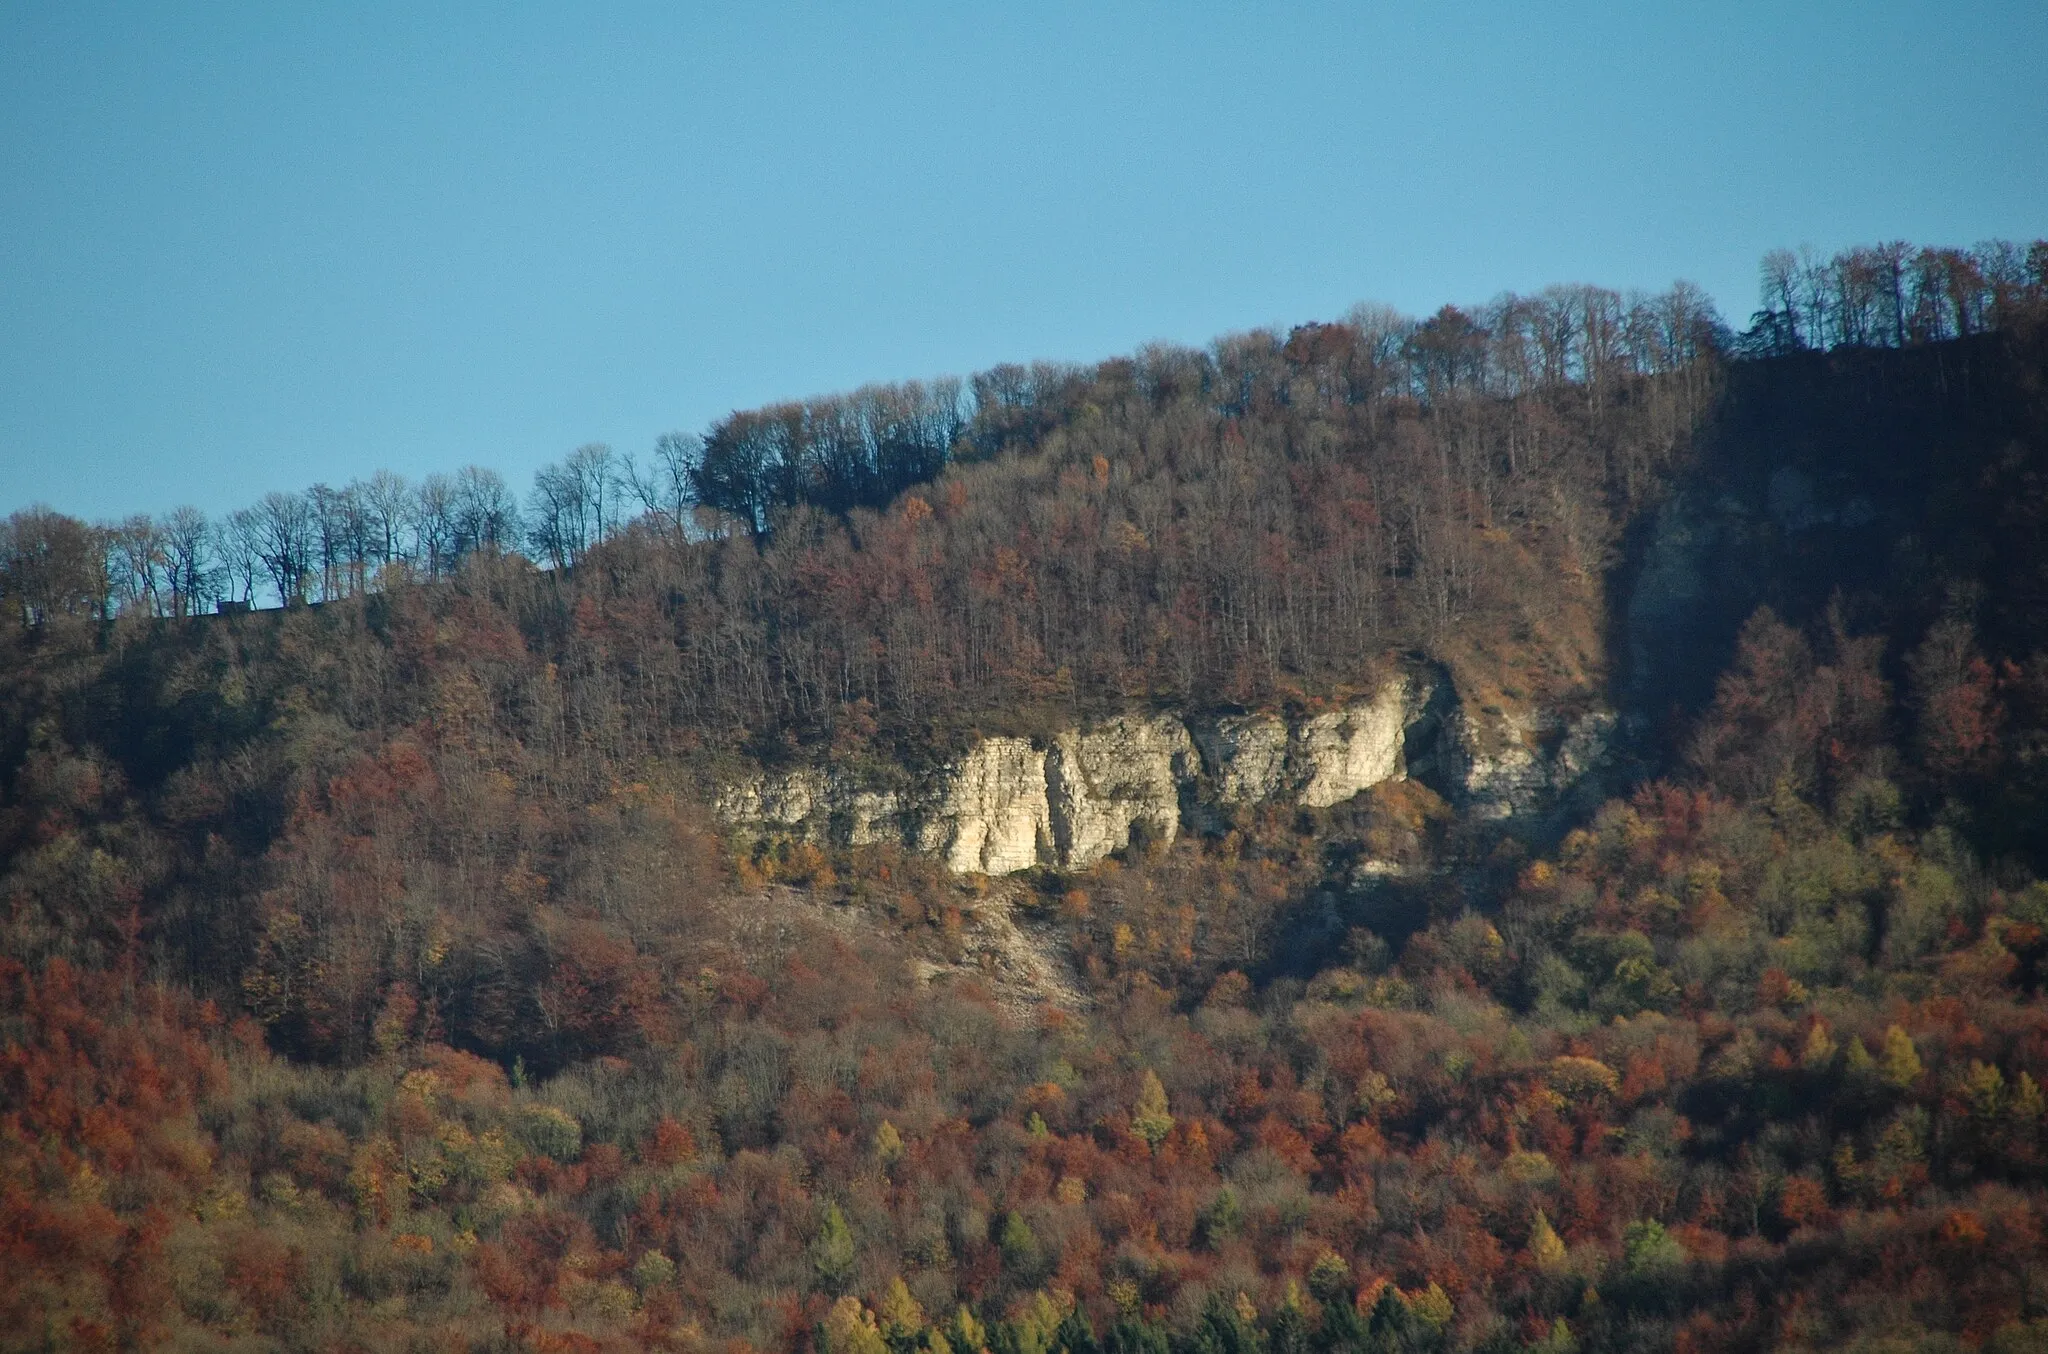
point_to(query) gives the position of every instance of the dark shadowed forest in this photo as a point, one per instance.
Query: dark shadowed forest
(374, 973)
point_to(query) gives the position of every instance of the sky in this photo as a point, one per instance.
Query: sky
(248, 248)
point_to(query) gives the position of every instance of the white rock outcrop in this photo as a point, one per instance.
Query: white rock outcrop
(1338, 754)
(1122, 776)
(786, 799)
(868, 817)
(991, 815)
(1007, 805)
(1245, 756)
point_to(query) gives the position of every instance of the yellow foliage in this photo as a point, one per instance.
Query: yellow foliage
(849, 1328)
(1546, 1247)
(1151, 1121)
(1899, 1064)
(900, 1313)
(1578, 1078)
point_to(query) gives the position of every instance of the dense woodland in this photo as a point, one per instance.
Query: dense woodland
(372, 974)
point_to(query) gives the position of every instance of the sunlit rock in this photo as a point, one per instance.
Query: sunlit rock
(1122, 776)
(1338, 754)
(990, 815)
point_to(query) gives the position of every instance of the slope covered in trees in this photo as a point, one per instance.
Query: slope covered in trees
(375, 975)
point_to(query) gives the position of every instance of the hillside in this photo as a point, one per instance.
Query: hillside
(1518, 830)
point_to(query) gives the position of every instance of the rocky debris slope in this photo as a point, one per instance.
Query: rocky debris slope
(1008, 804)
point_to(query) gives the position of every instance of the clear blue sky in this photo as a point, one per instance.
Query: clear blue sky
(247, 248)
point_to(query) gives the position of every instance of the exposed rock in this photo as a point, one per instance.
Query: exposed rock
(1670, 595)
(991, 816)
(1507, 765)
(1245, 756)
(819, 806)
(1492, 762)
(1102, 784)
(1336, 755)
(867, 817)
(786, 799)
(1006, 806)
(1024, 963)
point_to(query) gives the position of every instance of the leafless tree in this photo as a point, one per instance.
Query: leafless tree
(388, 507)
(187, 545)
(135, 560)
(237, 543)
(434, 524)
(485, 515)
(285, 542)
(667, 487)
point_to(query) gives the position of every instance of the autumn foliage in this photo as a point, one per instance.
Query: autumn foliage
(375, 975)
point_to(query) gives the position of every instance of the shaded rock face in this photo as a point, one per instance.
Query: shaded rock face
(1499, 766)
(785, 800)
(1007, 805)
(1245, 756)
(805, 797)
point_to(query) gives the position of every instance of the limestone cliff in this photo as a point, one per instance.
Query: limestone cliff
(1245, 756)
(1345, 751)
(1006, 805)
(1500, 765)
(1121, 777)
(991, 814)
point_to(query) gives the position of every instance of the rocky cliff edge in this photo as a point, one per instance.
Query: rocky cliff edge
(1010, 804)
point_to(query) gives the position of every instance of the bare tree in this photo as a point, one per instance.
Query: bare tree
(596, 468)
(237, 543)
(667, 489)
(336, 527)
(434, 524)
(285, 542)
(387, 514)
(135, 557)
(557, 516)
(484, 513)
(187, 545)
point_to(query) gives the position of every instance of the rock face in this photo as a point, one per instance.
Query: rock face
(785, 800)
(806, 797)
(1007, 805)
(1122, 777)
(991, 816)
(1245, 756)
(1338, 754)
(1503, 766)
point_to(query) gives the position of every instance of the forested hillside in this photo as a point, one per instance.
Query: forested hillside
(374, 972)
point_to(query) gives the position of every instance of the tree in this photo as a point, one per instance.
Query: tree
(281, 528)
(236, 542)
(1546, 1248)
(1647, 1248)
(434, 526)
(388, 512)
(1149, 1119)
(833, 1251)
(188, 550)
(483, 513)
(135, 550)
(52, 565)
(667, 489)
(595, 468)
(1899, 1063)
(849, 1328)
(1956, 692)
